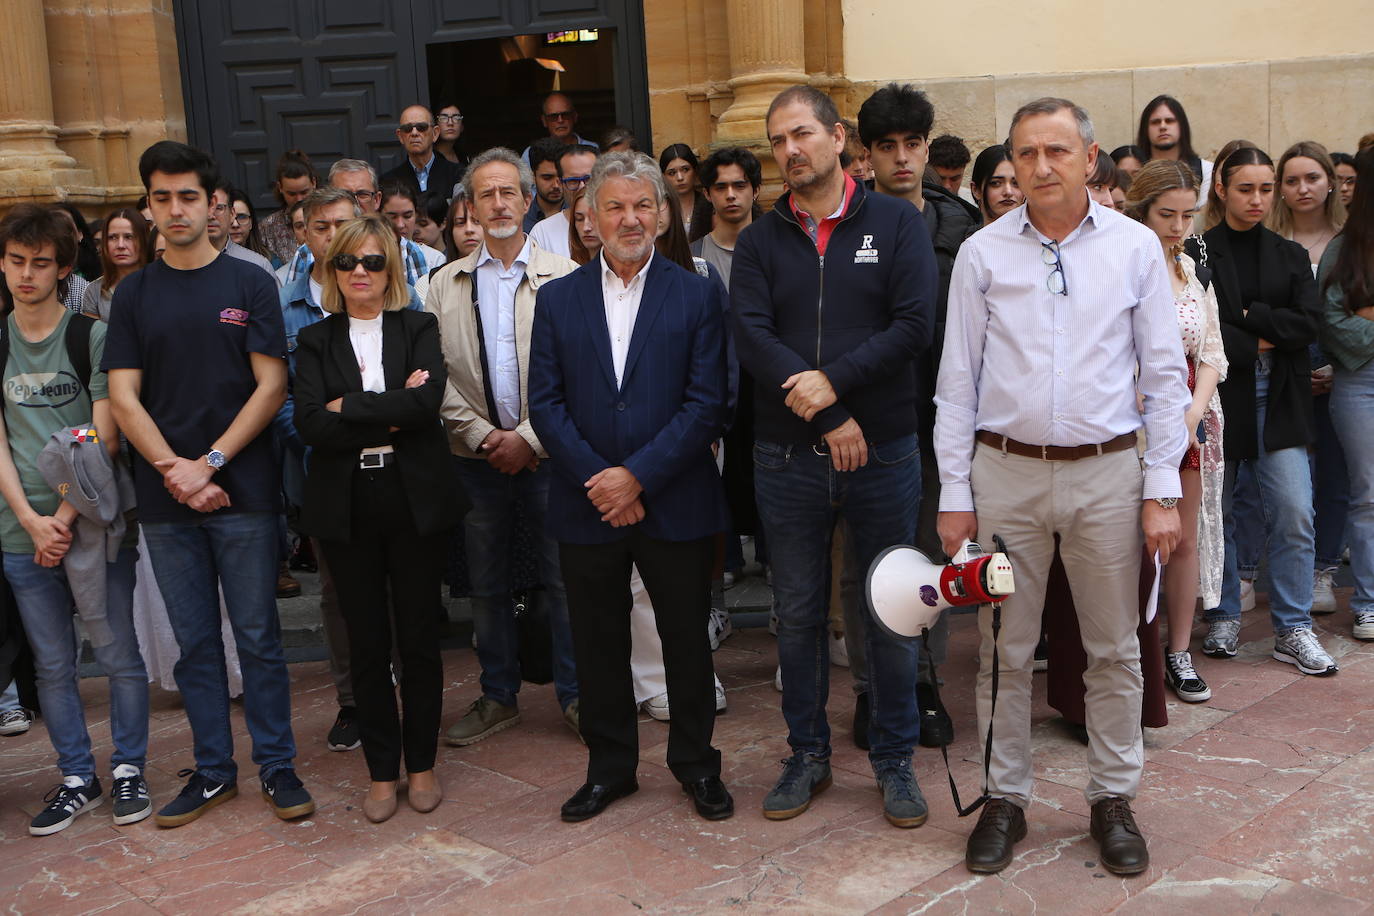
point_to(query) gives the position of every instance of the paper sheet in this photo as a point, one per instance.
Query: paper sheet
(1152, 604)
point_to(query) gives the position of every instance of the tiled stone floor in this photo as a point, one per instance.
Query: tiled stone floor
(1256, 802)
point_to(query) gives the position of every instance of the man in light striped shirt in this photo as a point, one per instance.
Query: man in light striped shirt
(1058, 315)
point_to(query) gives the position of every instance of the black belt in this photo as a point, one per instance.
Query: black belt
(375, 461)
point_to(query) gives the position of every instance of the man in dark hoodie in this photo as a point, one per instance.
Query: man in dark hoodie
(833, 299)
(894, 124)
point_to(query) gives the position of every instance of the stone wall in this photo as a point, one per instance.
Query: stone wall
(84, 88)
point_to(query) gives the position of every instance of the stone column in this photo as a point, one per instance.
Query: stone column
(767, 54)
(32, 166)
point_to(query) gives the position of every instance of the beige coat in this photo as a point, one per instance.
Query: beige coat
(465, 400)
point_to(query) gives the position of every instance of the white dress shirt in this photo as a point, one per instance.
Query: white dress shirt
(551, 234)
(1048, 369)
(496, 286)
(622, 308)
(365, 334)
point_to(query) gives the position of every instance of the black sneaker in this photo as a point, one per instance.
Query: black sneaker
(1183, 678)
(344, 735)
(65, 801)
(1040, 661)
(937, 728)
(286, 794)
(130, 795)
(200, 794)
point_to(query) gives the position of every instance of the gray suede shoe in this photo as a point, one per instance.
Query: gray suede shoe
(803, 778)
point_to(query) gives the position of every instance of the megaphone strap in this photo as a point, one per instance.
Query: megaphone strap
(992, 713)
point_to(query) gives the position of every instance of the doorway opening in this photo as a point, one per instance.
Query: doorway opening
(499, 84)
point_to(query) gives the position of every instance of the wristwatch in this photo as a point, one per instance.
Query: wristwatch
(215, 458)
(1166, 502)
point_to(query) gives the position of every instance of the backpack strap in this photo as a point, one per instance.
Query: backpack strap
(78, 340)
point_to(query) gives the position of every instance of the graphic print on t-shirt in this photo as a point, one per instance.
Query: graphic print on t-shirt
(42, 389)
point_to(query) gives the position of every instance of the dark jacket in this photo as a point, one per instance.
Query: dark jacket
(443, 175)
(1286, 315)
(950, 219)
(326, 368)
(659, 423)
(862, 314)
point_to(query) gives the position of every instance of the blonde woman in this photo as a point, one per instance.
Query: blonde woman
(1164, 197)
(381, 497)
(1308, 209)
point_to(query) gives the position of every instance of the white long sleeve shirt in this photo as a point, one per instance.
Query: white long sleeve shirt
(1050, 369)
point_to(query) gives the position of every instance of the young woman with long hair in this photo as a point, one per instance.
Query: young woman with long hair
(1163, 196)
(1346, 277)
(124, 248)
(1269, 307)
(679, 166)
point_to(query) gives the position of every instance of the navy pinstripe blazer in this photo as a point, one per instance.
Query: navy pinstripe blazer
(659, 423)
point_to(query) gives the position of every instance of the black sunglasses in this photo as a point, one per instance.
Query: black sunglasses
(415, 127)
(372, 263)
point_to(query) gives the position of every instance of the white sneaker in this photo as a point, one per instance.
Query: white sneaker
(1323, 594)
(1364, 625)
(719, 627)
(728, 578)
(1300, 647)
(839, 652)
(1247, 595)
(15, 721)
(777, 679)
(656, 707)
(720, 697)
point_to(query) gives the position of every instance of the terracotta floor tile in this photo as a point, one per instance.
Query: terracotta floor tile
(220, 877)
(1202, 884)
(1268, 763)
(1319, 836)
(1357, 772)
(1330, 713)
(434, 871)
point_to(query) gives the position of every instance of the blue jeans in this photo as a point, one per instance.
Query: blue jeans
(1330, 485)
(237, 552)
(1247, 512)
(799, 496)
(1352, 413)
(489, 529)
(46, 607)
(1285, 486)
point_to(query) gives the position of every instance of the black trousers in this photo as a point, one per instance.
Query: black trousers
(387, 554)
(677, 576)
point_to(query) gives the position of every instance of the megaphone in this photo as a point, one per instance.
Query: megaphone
(907, 590)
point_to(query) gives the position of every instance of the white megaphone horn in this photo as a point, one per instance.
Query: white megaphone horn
(907, 590)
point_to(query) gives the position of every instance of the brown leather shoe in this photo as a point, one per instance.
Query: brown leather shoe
(1114, 829)
(1000, 826)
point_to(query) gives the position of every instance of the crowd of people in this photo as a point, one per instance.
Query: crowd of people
(609, 369)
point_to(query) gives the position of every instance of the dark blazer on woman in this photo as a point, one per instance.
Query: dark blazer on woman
(327, 368)
(1287, 315)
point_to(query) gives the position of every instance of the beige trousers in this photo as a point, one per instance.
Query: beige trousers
(1094, 505)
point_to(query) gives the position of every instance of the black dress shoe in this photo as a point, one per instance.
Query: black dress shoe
(591, 800)
(1114, 828)
(937, 729)
(711, 798)
(860, 727)
(990, 845)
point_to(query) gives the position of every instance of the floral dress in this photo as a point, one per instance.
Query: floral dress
(1200, 327)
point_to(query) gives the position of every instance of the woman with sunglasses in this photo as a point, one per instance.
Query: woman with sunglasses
(1269, 309)
(380, 497)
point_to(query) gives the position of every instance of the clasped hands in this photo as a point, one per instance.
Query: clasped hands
(615, 493)
(810, 392)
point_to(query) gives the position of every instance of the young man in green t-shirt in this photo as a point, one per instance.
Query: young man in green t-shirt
(43, 392)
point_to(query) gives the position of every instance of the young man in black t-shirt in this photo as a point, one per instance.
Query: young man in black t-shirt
(195, 355)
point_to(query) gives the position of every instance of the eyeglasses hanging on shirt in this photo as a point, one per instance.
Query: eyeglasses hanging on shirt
(1049, 253)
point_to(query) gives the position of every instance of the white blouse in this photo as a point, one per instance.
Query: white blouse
(366, 336)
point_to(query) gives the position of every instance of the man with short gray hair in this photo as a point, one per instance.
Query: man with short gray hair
(1059, 314)
(627, 391)
(485, 306)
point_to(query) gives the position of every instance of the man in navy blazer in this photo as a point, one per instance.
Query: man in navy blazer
(627, 391)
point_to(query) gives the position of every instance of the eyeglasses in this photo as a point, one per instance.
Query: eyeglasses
(1049, 253)
(240, 218)
(573, 182)
(372, 263)
(560, 115)
(415, 127)
(449, 119)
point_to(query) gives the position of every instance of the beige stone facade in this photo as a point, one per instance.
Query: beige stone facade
(85, 86)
